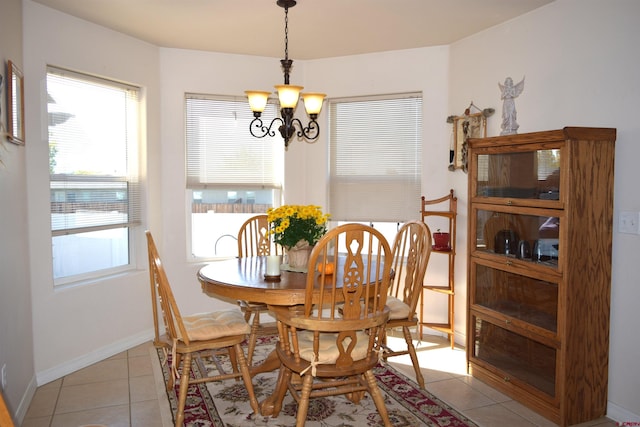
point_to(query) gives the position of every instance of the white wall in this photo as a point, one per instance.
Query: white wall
(581, 67)
(76, 326)
(579, 62)
(16, 345)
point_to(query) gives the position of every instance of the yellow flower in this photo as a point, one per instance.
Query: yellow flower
(292, 223)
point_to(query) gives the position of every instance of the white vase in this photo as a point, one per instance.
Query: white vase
(299, 255)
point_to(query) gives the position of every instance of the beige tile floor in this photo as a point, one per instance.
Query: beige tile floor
(122, 392)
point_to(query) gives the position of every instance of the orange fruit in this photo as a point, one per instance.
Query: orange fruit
(327, 268)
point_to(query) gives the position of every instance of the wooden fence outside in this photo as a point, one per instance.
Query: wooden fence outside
(229, 208)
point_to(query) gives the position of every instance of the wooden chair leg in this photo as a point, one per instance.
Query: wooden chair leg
(253, 337)
(246, 376)
(173, 370)
(378, 398)
(303, 404)
(233, 358)
(414, 356)
(184, 386)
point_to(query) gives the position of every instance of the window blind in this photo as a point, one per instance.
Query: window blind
(221, 153)
(93, 153)
(375, 158)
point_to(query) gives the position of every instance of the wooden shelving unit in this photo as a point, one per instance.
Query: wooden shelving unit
(444, 207)
(538, 321)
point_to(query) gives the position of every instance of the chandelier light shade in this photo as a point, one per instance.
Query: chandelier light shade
(257, 100)
(288, 96)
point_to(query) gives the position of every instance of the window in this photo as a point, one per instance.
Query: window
(231, 175)
(375, 158)
(93, 158)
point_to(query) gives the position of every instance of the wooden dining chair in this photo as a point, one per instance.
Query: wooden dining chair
(5, 415)
(333, 340)
(185, 336)
(254, 239)
(411, 252)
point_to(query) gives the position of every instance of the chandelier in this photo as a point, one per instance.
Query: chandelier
(288, 97)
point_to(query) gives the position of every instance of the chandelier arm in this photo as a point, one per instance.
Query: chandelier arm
(310, 132)
(264, 130)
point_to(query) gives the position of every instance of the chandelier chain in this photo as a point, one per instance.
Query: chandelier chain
(286, 33)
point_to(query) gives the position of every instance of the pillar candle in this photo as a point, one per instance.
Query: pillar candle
(273, 265)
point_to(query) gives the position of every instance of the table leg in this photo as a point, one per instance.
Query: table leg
(272, 405)
(271, 363)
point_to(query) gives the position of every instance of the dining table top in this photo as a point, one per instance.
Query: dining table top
(244, 279)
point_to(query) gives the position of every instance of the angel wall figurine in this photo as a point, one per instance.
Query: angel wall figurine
(509, 93)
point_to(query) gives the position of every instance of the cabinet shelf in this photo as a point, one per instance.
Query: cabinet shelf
(445, 219)
(539, 268)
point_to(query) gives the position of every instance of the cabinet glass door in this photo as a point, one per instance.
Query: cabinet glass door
(519, 358)
(523, 175)
(524, 298)
(532, 238)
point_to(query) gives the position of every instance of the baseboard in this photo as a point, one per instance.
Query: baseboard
(27, 397)
(52, 374)
(621, 415)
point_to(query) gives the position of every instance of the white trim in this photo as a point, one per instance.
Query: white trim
(621, 415)
(25, 402)
(102, 353)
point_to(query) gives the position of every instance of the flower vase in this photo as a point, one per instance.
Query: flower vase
(299, 255)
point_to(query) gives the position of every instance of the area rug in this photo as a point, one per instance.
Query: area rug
(225, 403)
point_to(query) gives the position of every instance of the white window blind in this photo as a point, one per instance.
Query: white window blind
(375, 158)
(221, 153)
(93, 153)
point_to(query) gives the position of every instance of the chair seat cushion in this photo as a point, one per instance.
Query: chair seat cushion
(208, 326)
(397, 308)
(328, 351)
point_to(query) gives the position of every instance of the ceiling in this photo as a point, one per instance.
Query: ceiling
(317, 28)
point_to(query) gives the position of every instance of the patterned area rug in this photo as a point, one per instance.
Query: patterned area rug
(225, 403)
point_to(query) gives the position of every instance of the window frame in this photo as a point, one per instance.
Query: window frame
(127, 180)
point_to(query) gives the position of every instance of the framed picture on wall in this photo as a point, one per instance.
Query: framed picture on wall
(15, 104)
(465, 127)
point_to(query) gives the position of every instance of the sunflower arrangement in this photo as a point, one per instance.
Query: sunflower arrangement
(292, 223)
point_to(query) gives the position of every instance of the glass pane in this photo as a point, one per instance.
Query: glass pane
(217, 215)
(82, 253)
(524, 175)
(531, 300)
(517, 356)
(528, 237)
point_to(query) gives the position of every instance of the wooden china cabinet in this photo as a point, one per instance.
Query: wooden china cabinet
(539, 268)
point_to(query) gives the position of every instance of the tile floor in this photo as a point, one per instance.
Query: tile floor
(122, 392)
